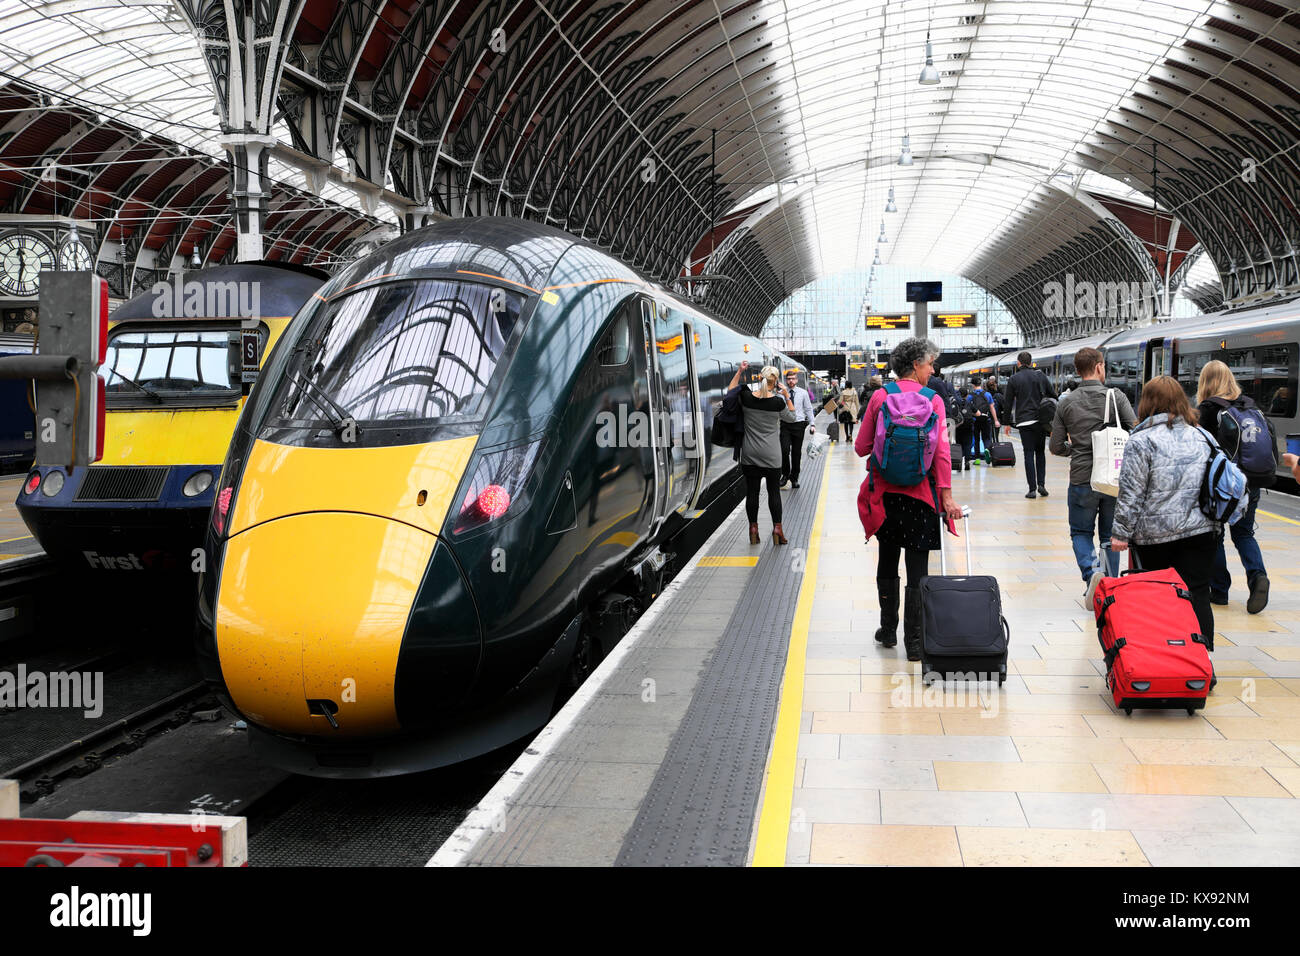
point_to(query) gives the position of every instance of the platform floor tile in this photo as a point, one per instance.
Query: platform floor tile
(1044, 770)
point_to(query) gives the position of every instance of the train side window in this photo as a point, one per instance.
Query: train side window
(1278, 373)
(616, 347)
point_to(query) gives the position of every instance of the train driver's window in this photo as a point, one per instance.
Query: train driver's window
(616, 347)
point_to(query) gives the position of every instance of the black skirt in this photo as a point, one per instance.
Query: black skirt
(909, 523)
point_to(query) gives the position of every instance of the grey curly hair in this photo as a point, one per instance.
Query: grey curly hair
(910, 351)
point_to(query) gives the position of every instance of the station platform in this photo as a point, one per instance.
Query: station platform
(749, 717)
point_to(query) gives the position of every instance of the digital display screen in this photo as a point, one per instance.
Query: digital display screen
(924, 291)
(953, 320)
(889, 323)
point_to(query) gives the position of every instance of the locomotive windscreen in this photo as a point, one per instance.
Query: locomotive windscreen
(397, 355)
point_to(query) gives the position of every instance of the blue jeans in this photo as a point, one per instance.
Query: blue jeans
(1243, 536)
(1091, 511)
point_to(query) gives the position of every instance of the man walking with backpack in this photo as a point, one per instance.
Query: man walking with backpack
(1247, 438)
(985, 421)
(1078, 415)
(1026, 390)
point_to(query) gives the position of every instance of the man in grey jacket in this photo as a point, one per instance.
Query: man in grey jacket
(1078, 415)
(794, 426)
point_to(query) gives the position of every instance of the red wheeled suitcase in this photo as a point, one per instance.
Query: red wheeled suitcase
(1150, 637)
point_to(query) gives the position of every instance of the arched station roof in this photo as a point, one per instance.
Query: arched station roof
(602, 118)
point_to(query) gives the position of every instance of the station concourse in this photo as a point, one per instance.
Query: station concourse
(381, 380)
(858, 763)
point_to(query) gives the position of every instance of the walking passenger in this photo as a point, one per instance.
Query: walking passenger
(845, 418)
(984, 423)
(1079, 414)
(1025, 389)
(1243, 429)
(794, 425)
(760, 456)
(900, 503)
(1158, 511)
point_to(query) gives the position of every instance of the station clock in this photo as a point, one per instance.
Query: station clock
(22, 257)
(75, 257)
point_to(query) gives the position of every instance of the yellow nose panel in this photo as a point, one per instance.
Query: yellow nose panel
(283, 480)
(314, 606)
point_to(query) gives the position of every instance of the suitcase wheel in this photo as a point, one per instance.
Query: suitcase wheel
(1191, 711)
(1129, 711)
(1002, 675)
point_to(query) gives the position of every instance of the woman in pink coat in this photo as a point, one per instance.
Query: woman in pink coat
(905, 519)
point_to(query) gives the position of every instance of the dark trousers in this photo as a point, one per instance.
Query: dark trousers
(1193, 559)
(848, 429)
(754, 478)
(981, 434)
(918, 564)
(1033, 441)
(792, 448)
(1243, 537)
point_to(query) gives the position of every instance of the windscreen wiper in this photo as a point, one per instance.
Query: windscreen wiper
(339, 417)
(144, 388)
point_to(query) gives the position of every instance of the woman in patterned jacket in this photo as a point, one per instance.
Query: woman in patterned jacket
(1158, 511)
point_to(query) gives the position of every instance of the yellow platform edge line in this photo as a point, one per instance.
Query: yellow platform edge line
(728, 561)
(778, 796)
(1261, 511)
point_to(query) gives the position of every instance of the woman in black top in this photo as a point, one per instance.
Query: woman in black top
(1216, 390)
(760, 455)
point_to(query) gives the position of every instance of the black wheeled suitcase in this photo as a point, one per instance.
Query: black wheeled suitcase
(1004, 453)
(963, 632)
(833, 431)
(958, 457)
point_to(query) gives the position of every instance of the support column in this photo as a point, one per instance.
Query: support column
(245, 44)
(250, 193)
(920, 319)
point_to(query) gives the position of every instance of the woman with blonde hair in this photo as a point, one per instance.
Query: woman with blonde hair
(1217, 391)
(760, 452)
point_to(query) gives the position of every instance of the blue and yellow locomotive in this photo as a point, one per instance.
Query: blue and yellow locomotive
(173, 383)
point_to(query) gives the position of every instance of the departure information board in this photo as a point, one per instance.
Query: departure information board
(889, 323)
(953, 320)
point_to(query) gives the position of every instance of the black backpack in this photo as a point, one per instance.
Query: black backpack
(980, 400)
(1046, 411)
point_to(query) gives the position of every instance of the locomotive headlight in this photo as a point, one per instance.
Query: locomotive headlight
(198, 483)
(498, 485)
(53, 484)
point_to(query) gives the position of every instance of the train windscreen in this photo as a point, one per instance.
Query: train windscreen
(398, 357)
(169, 366)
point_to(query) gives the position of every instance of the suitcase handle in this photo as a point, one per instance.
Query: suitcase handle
(943, 554)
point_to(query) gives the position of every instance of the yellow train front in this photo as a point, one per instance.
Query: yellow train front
(174, 388)
(456, 475)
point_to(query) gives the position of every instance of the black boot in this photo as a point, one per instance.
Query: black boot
(887, 633)
(912, 623)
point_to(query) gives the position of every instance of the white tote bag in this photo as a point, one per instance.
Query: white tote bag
(1108, 451)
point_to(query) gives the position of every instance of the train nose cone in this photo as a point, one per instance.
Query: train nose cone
(311, 614)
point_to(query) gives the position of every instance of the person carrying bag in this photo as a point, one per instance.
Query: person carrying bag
(1108, 450)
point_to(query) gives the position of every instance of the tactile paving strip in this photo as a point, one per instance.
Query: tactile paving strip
(699, 810)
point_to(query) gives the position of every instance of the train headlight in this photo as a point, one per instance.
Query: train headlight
(198, 483)
(498, 484)
(222, 507)
(53, 484)
(33, 482)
